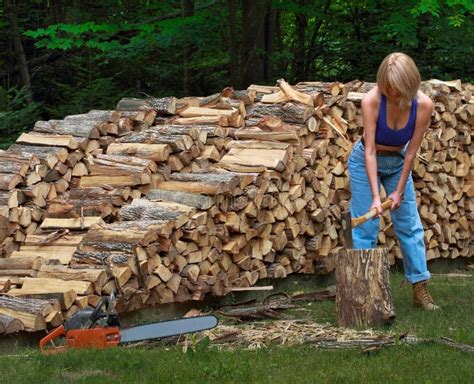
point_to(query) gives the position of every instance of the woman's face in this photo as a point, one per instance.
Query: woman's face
(393, 94)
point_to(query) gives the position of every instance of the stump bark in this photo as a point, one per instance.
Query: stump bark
(364, 296)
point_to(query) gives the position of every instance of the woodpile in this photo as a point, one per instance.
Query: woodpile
(167, 200)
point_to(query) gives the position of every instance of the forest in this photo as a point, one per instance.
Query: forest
(62, 57)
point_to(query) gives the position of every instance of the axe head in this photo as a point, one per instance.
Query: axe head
(347, 229)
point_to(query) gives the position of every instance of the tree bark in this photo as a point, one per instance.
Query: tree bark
(271, 23)
(234, 59)
(301, 25)
(187, 10)
(363, 296)
(253, 40)
(11, 15)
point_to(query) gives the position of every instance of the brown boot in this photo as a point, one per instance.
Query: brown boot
(422, 298)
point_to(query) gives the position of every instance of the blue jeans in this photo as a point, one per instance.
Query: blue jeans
(406, 220)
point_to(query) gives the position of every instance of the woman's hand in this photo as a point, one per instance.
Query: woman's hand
(377, 205)
(396, 200)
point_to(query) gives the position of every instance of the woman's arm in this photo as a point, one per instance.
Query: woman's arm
(425, 109)
(370, 105)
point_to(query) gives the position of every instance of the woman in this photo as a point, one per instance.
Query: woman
(396, 114)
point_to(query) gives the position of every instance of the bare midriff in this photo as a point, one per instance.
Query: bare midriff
(379, 147)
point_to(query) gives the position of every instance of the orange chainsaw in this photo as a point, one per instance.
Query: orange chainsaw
(99, 328)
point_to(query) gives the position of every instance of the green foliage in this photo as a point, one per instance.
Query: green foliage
(16, 115)
(100, 93)
(195, 347)
(69, 36)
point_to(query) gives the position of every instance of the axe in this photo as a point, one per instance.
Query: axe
(348, 222)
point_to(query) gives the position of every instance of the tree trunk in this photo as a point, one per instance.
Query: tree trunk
(270, 38)
(187, 10)
(301, 24)
(10, 13)
(234, 60)
(312, 52)
(253, 39)
(363, 296)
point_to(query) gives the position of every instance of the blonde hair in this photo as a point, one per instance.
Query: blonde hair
(399, 72)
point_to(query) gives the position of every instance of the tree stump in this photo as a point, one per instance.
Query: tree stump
(363, 295)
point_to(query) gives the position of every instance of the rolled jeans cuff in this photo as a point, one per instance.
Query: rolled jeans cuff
(412, 279)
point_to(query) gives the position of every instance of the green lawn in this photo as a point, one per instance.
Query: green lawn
(402, 363)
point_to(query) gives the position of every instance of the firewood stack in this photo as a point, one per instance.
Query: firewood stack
(42, 164)
(168, 200)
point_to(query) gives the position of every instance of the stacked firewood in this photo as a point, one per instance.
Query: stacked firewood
(169, 200)
(239, 216)
(42, 164)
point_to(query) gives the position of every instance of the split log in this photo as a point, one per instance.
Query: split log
(166, 105)
(97, 115)
(128, 180)
(47, 252)
(9, 181)
(116, 196)
(9, 324)
(65, 297)
(76, 223)
(221, 120)
(185, 198)
(10, 163)
(287, 93)
(98, 277)
(49, 156)
(11, 199)
(73, 127)
(252, 134)
(155, 136)
(273, 159)
(30, 312)
(157, 152)
(35, 138)
(208, 183)
(77, 208)
(25, 263)
(141, 209)
(62, 238)
(136, 162)
(141, 232)
(45, 285)
(288, 112)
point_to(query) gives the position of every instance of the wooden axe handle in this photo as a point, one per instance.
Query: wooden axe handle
(371, 214)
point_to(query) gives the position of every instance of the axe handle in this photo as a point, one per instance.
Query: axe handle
(371, 214)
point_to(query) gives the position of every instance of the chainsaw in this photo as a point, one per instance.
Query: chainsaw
(99, 328)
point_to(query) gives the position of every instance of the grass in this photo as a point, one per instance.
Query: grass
(426, 363)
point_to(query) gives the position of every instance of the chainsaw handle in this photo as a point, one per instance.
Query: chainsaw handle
(95, 314)
(371, 214)
(59, 331)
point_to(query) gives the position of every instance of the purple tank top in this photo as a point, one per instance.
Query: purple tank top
(390, 137)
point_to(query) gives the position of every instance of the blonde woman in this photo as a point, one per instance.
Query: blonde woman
(396, 114)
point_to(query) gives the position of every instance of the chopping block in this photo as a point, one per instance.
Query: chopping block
(363, 293)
